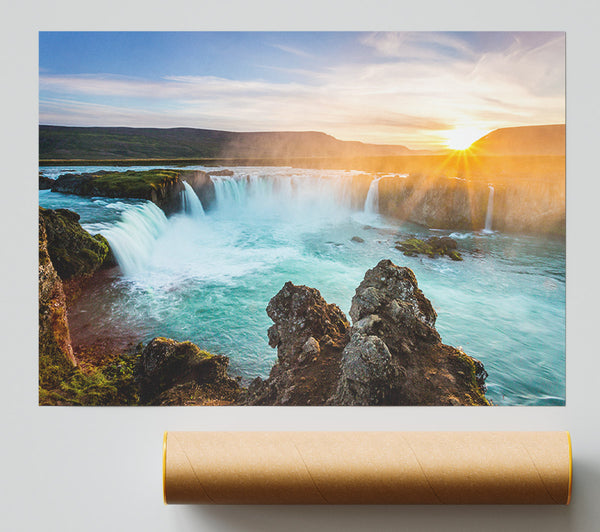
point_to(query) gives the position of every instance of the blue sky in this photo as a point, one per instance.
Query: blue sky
(415, 89)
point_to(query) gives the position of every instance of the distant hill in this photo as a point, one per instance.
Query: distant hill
(63, 142)
(526, 140)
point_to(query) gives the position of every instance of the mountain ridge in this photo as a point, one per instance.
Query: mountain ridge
(522, 140)
(70, 142)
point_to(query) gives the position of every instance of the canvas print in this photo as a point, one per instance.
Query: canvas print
(302, 218)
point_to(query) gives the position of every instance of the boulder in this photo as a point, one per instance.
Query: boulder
(432, 247)
(309, 335)
(166, 364)
(395, 355)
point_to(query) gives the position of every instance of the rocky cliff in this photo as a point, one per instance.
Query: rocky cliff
(56, 357)
(392, 354)
(519, 206)
(309, 335)
(162, 187)
(159, 186)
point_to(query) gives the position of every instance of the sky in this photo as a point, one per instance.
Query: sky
(421, 90)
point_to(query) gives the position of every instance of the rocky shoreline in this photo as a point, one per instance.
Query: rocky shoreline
(390, 355)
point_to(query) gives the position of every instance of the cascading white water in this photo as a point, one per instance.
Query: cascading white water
(301, 195)
(132, 238)
(490, 210)
(372, 201)
(191, 203)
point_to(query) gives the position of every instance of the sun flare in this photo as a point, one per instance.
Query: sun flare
(462, 138)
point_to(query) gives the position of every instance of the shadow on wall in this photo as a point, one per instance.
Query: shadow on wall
(573, 518)
(383, 518)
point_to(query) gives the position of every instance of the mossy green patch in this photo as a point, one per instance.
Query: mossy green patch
(432, 247)
(134, 184)
(112, 384)
(469, 368)
(72, 250)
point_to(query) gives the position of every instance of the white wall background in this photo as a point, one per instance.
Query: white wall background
(83, 469)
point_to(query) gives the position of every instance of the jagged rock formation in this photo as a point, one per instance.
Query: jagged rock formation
(395, 355)
(56, 357)
(72, 250)
(309, 335)
(392, 355)
(170, 372)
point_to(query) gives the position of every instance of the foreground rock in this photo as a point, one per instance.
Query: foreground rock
(72, 250)
(395, 355)
(56, 357)
(432, 247)
(177, 373)
(392, 355)
(309, 335)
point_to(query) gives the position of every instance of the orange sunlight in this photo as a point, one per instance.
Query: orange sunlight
(462, 138)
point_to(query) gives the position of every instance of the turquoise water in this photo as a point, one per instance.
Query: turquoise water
(208, 278)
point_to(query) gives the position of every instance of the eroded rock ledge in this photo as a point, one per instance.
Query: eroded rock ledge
(392, 355)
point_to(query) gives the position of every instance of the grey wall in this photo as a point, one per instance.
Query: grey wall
(78, 469)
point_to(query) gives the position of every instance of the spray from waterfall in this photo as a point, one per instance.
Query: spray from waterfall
(372, 201)
(296, 195)
(132, 238)
(191, 203)
(490, 210)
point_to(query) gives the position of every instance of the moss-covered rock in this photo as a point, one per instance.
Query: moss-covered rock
(159, 186)
(165, 363)
(56, 359)
(432, 247)
(110, 385)
(72, 250)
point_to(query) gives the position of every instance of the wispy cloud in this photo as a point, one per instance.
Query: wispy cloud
(293, 50)
(417, 45)
(427, 84)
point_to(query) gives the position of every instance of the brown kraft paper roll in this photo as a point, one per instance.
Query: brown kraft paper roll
(367, 468)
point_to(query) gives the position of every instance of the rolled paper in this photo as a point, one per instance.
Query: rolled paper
(367, 467)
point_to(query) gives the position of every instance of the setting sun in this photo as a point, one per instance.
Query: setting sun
(462, 138)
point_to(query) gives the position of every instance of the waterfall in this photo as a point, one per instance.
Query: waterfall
(372, 201)
(191, 203)
(132, 238)
(289, 194)
(490, 210)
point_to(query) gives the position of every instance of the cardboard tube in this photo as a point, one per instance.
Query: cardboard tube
(367, 467)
